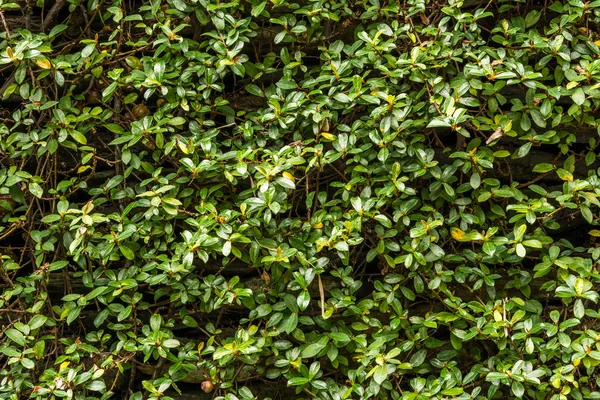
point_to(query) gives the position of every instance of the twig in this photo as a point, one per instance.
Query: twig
(5, 25)
(322, 293)
(85, 14)
(53, 14)
(28, 15)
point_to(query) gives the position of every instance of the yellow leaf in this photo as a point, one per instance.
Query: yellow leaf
(183, 147)
(289, 176)
(572, 84)
(328, 135)
(44, 64)
(497, 316)
(597, 42)
(83, 168)
(594, 232)
(458, 234)
(63, 365)
(556, 383)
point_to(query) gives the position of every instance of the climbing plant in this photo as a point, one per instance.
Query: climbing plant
(345, 199)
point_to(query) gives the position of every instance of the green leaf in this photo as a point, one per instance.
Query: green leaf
(418, 358)
(380, 374)
(543, 167)
(339, 337)
(127, 252)
(517, 389)
(578, 309)
(57, 29)
(56, 265)
(578, 96)
(124, 313)
(521, 252)
(177, 121)
(290, 323)
(303, 300)
(28, 363)
(344, 98)
(297, 381)
(532, 243)
(96, 292)
(258, 9)
(115, 128)
(312, 350)
(37, 321)
(475, 180)
(73, 314)
(455, 391)
(287, 84)
(171, 343)
(101, 317)
(78, 136)
(436, 123)
(531, 19)
(179, 4)
(255, 90)
(16, 336)
(50, 218)
(286, 183)
(96, 386)
(36, 190)
(523, 150)
(495, 376)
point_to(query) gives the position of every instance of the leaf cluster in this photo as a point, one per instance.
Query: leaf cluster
(323, 199)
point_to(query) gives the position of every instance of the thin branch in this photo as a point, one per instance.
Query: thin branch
(5, 25)
(48, 22)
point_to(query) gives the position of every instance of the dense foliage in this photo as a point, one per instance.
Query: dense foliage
(349, 199)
